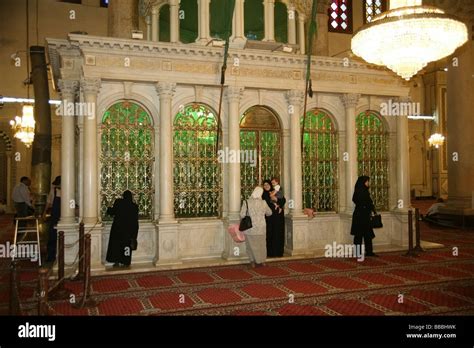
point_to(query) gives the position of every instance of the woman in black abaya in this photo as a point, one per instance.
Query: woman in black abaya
(361, 228)
(124, 230)
(275, 222)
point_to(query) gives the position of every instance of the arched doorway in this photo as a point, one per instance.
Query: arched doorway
(260, 131)
(127, 157)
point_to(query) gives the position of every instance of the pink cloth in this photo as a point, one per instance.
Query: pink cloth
(237, 236)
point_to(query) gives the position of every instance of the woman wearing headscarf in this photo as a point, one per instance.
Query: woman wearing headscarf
(255, 236)
(361, 228)
(124, 230)
(275, 222)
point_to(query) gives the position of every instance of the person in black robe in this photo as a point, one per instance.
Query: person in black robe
(124, 230)
(361, 228)
(275, 222)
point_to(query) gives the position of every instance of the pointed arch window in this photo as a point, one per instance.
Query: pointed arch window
(340, 16)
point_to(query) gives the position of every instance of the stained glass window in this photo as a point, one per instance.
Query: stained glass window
(372, 156)
(373, 8)
(340, 16)
(127, 157)
(197, 172)
(259, 133)
(319, 161)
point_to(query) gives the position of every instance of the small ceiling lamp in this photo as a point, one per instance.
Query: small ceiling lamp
(24, 126)
(408, 37)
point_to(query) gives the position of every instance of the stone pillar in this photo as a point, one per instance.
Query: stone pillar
(291, 25)
(155, 27)
(122, 18)
(350, 103)
(403, 161)
(68, 90)
(204, 32)
(301, 33)
(174, 19)
(233, 97)
(166, 91)
(460, 130)
(269, 10)
(148, 27)
(320, 45)
(238, 23)
(295, 100)
(90, 88)
(10, 207)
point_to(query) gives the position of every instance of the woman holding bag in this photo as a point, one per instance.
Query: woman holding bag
(361, 226)
(255, 237)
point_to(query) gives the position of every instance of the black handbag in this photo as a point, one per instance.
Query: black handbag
(376, 221)
(246, 222)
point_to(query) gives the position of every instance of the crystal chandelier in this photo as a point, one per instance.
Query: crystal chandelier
(436, 140)
(408, 37)
(24, 126)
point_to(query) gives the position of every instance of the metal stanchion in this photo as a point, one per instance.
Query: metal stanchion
(80, 274)
(87, 301)
(14, 304)
(43, 291)
(411, 251)
(59, 292)
(418, 247)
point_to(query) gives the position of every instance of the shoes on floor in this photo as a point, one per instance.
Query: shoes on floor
(252, 264)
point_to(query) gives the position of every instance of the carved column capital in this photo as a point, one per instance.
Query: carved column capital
(165, 89)
(90, 86)
(350, 100)
(68, 88)
(295, 97)
(234, 93)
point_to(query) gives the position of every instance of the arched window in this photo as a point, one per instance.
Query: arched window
(319, 161)
(254, 20)
(372, 156)
(373, 8)
(197, 173)
(340, 16)
(127, 157)
(260, 139)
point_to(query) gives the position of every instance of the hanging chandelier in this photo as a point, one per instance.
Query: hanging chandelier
(436, 140)
(408, 37)
(24, 126)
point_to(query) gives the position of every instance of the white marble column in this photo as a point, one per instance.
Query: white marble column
(269, 11)
(403, 161)
(301, 33)
(234, 95)
(295, 101)
(238, 33)
(166, 91)
(174, 20)
(350, 102)
(155, 28)
(68, 90)
(10, 208)
(291, 25)
(204, 31)
(90, 88)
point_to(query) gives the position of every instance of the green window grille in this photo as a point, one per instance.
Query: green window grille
(372, 156)
(320, 162)
(197, 172)
(127, 157)
(259, 132)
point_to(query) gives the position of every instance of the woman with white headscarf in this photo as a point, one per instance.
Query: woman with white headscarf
(255, 237)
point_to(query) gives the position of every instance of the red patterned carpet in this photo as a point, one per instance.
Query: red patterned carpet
(436, 283)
